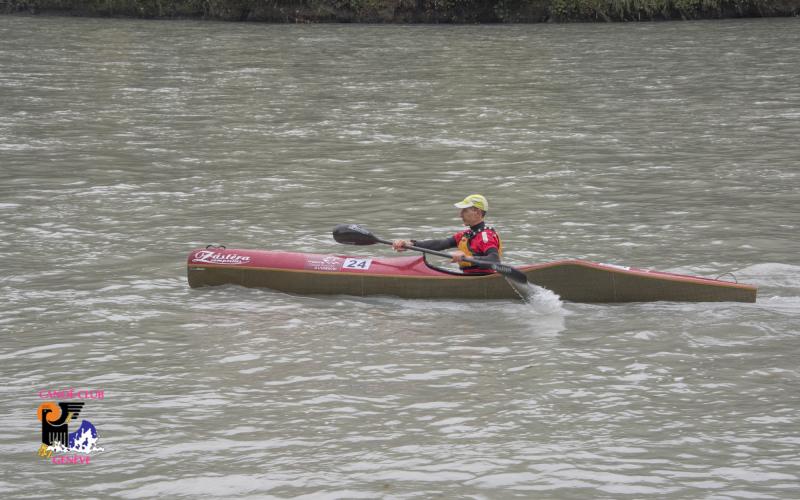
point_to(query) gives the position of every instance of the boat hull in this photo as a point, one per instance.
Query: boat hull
(411, 277)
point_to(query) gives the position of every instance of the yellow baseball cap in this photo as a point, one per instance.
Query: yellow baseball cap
(474, 200)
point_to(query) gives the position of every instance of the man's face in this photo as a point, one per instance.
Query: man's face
(470, 216)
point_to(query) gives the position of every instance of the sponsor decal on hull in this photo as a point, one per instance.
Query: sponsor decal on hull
(210, 257)
(326, 263)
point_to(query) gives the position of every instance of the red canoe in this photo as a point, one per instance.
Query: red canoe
(413, 277)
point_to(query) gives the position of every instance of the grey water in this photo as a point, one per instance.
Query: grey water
(126, 144)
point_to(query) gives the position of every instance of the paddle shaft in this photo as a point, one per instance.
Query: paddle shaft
(436, 252)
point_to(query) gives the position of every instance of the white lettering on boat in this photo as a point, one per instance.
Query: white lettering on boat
(327, 263)
(356, 264)
(210, 257)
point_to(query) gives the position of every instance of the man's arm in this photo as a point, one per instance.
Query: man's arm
(491, 254)
(440, 244)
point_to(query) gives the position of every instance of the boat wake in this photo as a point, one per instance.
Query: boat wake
(779, 286)
(784, 278)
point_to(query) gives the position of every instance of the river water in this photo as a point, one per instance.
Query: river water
(672, 146)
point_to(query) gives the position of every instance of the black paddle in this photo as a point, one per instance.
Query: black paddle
(353, 234)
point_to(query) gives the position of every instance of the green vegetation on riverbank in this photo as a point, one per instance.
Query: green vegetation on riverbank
(410, 11)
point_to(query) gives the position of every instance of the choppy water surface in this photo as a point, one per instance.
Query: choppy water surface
(126, 144)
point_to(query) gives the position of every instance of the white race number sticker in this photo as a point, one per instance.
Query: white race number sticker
(357, 264)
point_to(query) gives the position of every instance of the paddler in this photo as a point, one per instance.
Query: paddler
(479, 241)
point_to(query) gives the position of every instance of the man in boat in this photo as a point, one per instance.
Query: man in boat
(480, 240)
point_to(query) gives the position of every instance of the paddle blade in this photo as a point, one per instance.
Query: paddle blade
(353, 234)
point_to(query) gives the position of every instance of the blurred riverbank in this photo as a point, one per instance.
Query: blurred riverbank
(411, 11)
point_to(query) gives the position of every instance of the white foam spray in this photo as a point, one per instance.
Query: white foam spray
(542, 300)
